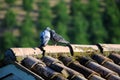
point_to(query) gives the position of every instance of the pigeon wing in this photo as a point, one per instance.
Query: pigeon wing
(59, 38)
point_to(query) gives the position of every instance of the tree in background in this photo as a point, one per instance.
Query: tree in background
(62, 18)
(10, 2)
(9, 40)
(27, 33)
(74, 7)
(111, 20)
(9, 20)
(118, 4)
(45, 15)
(27, 5)
(85, 20)
(96, 30)
(79, 24)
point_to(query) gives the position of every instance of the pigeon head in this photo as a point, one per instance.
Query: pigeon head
(53, 31)
(48, 28)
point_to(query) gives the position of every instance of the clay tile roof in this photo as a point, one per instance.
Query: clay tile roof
(87, 63)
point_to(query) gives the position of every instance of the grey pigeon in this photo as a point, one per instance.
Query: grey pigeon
(44, 38)
(59, 39)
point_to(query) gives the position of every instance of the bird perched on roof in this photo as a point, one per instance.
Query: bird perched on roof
(44, 39)
(59, 39)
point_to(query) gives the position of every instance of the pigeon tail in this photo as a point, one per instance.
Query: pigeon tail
(71, 49)
(99, 47)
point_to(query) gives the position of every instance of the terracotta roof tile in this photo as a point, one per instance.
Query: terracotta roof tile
(92, 67)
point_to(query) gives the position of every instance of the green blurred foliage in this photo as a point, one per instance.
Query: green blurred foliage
(112, 21)
(79, 23)
(96, 28)
(27, 34)
(61, 20)
(9, 20)
(89, 22)
(9, 40)
(27, 5)
(45, 15)
(80, 33)
(10, 2)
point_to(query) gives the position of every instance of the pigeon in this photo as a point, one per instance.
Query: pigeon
(59, 39)
(44, 38)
